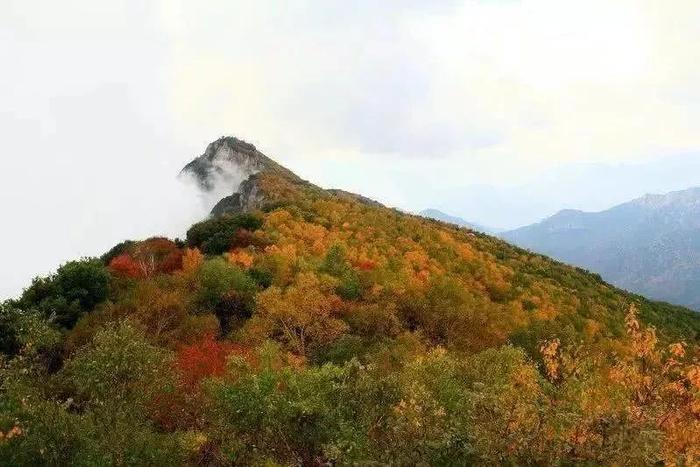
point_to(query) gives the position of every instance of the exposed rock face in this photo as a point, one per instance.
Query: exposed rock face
(226, 161)
(246, 199)
(229, 169)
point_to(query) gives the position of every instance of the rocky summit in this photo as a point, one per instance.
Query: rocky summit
(231, 166)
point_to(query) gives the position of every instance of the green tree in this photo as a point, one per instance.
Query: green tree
(279, 410)
(9, 329)
(215, 236)
(76, 288)
(336, 264)
(218, 278)
(115, 379)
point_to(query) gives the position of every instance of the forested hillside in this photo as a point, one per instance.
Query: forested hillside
(313, 327)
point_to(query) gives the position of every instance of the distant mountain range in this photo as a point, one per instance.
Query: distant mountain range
(443, 217)
(650, 245)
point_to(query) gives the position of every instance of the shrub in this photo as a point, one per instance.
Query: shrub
(292, 414)
(76, 288)
(20, 329)
(118, 366)
(218, 278)
(115, 378)
(303, 315)
(116, 250)
(163, 306)
(336, 264)
(156, 255)
(9, 327)
(202, 360)
(262, 278)
(125, 266)
(216, 236)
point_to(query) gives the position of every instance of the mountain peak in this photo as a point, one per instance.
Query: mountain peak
(230, 161)
(566, 215)
(233, 142)
(689, 197)
(230, 169)
(568, 212)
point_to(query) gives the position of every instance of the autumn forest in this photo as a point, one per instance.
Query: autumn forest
(324, 329)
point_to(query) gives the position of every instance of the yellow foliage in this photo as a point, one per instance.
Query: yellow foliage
(550, 357)
(303, 313)
(241, 258)
(192, 259)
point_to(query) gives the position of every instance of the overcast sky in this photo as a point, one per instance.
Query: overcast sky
(501, 112)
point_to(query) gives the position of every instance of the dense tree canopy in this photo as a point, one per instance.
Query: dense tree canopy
(76, 288)
(325, 330)
(217, 235)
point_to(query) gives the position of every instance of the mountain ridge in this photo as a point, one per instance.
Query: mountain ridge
(650, 245)
(317, 327)
(450, 219)
(273, 185)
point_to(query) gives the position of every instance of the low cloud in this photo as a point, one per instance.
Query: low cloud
(96, 177)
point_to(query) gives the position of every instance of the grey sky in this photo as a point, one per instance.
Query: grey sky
(501, 112)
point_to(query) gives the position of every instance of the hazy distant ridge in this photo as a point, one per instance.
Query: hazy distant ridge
(441, 216)
(650, 245)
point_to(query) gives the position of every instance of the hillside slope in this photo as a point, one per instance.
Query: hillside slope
(650, 245)
(313, 327)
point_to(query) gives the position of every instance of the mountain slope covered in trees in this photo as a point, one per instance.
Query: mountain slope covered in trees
(650, 245)
(310, 326)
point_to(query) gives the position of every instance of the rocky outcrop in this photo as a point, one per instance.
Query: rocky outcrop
(230, 170)
(230, 167)
(226, 161)
(248, 198)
